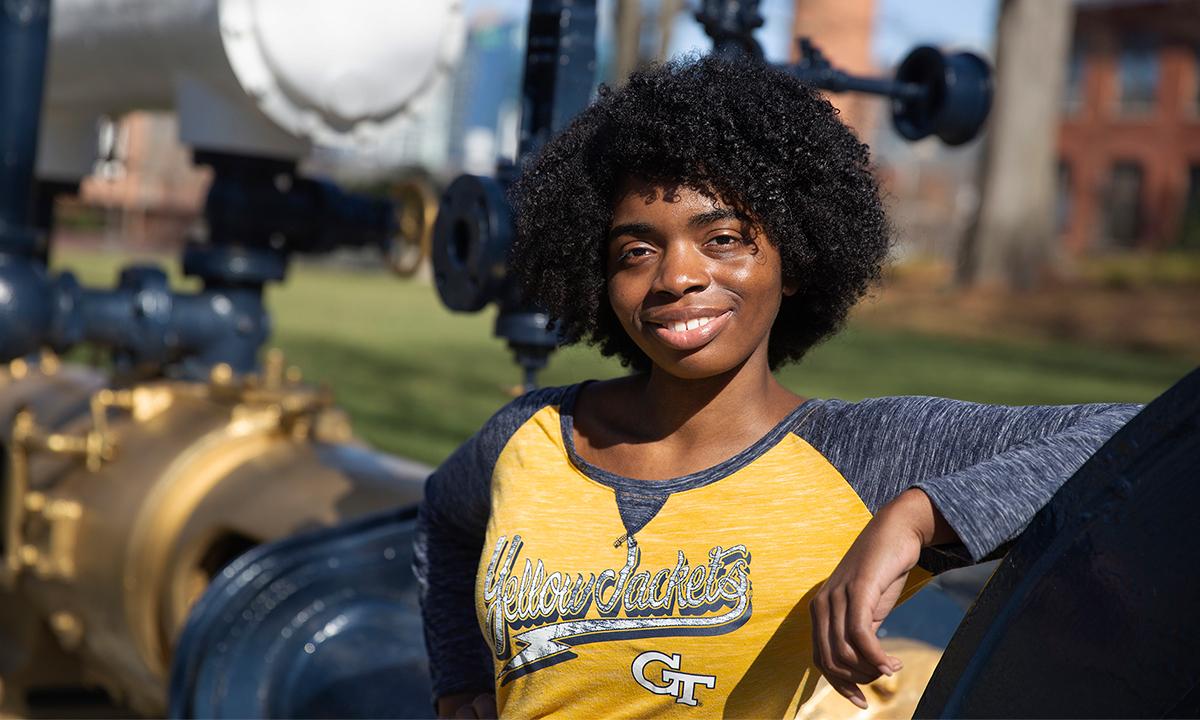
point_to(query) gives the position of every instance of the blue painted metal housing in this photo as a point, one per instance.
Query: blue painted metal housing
(258, 212)
(1093, 611)
(324, 624)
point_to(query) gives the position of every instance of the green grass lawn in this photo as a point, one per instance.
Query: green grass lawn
(418, 379)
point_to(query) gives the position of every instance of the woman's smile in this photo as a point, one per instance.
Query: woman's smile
(688, 329)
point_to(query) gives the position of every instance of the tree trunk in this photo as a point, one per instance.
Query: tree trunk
(667, 11)
(629, 38)
(1013, 238)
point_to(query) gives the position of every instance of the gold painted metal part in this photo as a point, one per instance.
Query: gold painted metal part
(16, 487)
(60, 517)
(121, 503)
(416, 212)
(887, 697)
(68, 628)
(40, 533)
(49, 543)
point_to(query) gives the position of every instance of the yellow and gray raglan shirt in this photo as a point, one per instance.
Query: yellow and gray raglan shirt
(564, 588)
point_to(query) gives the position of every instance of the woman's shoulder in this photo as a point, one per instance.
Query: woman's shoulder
(907, 409)
(902, 425)
(517, 412)
(477, 456)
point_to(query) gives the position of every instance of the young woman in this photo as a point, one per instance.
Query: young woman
(694, 538)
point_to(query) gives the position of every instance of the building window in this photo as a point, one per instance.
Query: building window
(1195, 104)
(1189, 229)
(1137, 73)
(1063, 205)
(1073, 95)
(1123, 206)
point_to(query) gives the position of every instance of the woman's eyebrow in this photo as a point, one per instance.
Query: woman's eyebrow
(634, 228)
(712, 216)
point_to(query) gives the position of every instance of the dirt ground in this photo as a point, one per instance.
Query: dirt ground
(1158, 318)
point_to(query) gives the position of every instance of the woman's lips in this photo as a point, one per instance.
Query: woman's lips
(680, 336)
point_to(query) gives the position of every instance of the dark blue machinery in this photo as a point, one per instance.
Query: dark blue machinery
(473, 230)
(1092, 613)
(320, 625)
(933, 94)
(259, 212)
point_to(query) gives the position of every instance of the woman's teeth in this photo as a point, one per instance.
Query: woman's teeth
(681, 326)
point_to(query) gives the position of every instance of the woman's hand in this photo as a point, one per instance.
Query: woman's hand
(467, 705)
(850, 606)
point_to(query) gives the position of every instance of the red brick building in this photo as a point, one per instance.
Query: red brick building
(843, 30)
(147, 185)
(1129, 139)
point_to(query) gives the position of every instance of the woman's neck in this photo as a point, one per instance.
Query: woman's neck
(739, 405)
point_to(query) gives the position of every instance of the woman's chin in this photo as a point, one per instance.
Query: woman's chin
(696, 365)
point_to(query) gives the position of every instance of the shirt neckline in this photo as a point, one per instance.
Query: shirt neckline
(690, 481)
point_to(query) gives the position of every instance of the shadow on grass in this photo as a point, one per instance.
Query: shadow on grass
(865, 362)
(419, 406)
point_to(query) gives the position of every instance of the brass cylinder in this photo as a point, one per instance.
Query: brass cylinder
(134, 497)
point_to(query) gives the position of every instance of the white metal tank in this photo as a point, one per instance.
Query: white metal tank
(258, 77)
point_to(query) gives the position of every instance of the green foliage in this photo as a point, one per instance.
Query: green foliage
(1176, 268)
(417, 379)
(77, 216)
(1189, 230)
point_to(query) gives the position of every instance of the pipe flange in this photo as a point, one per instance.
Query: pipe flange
(151, 300)
(66, 327)
(471, 238)
(957, 97)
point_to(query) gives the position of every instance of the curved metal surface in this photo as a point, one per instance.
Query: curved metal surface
(471, 238)
(1092, 613)
(260, 77)
(416, 207)
(319, 625)
(956, 99)
(118, 506)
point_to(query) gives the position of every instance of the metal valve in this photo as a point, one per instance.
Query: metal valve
(956, 97)
(471, 237)
(474, 227)
(933, 93)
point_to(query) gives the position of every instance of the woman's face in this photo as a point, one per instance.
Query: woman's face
(690, 281)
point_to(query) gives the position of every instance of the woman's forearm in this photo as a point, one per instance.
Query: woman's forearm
(913, 508)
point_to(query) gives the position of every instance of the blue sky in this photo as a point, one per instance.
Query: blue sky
(960, 24)
(900, 24)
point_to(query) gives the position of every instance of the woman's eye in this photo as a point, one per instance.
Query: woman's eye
(634, 253)
(725, 241)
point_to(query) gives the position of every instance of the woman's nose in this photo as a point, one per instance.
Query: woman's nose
(683, 270)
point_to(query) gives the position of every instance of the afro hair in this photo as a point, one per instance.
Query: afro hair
(744, 132)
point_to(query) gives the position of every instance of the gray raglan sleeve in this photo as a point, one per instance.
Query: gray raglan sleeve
(451, 525)
(987, 468)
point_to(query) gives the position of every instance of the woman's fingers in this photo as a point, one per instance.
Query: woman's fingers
(483, 706)
(822, 656)
(848, 651)
(850, 691)
(842, 673)
(860, 633)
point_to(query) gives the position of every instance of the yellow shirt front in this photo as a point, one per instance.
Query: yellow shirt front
(703, 612)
